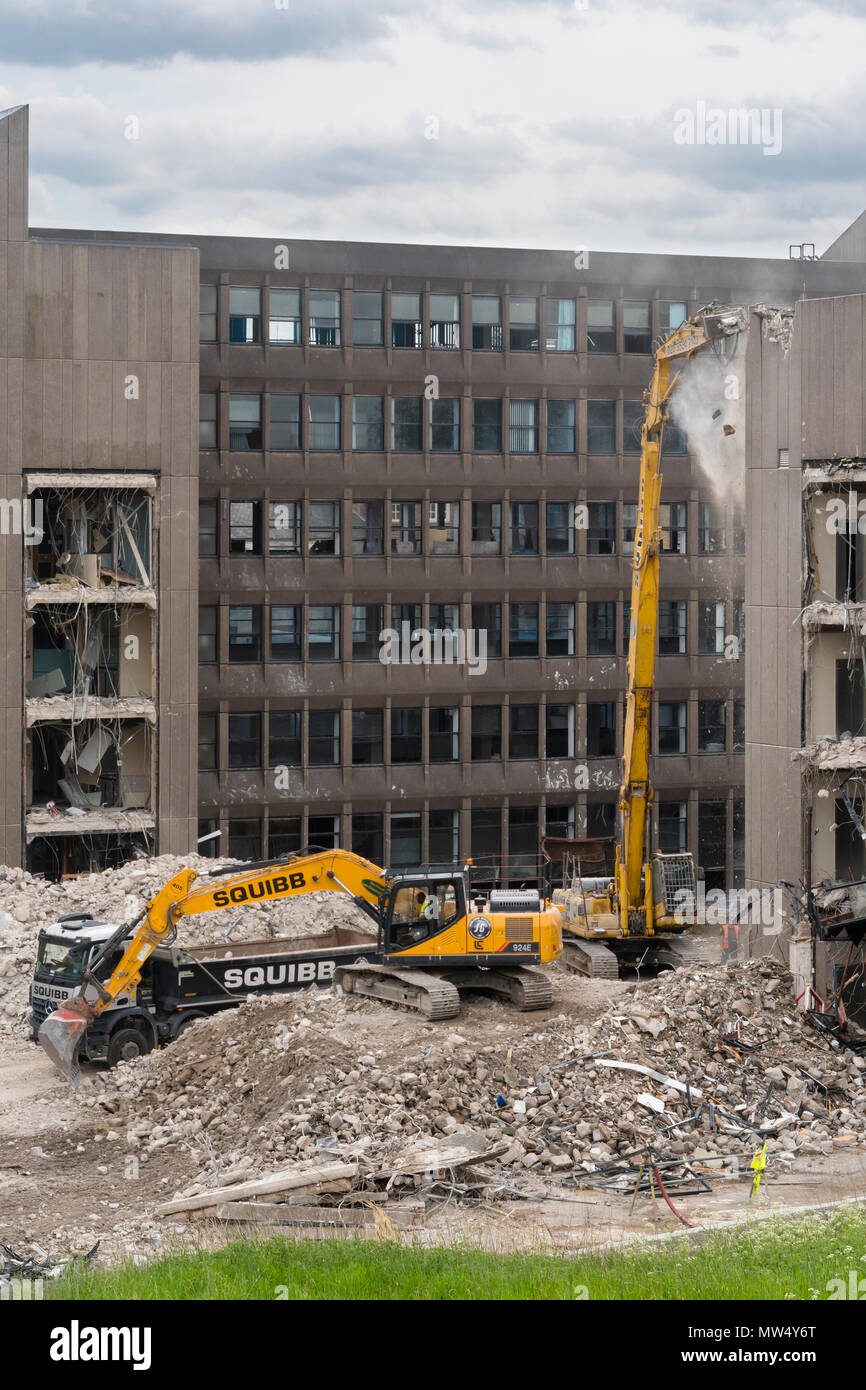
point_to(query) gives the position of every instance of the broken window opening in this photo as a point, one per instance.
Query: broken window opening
(95, 537)
(73, 769)
(58, 857)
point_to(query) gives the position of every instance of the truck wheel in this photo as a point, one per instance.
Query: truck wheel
(127, 1044)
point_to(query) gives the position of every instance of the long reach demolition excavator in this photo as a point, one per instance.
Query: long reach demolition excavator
(642, 913)
(431, 940)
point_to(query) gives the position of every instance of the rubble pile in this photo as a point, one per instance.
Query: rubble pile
(118, 895)
(695, 1065)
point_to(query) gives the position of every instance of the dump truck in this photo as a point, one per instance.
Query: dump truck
(429, 940)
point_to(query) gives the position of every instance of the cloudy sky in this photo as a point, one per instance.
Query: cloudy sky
(543, 123)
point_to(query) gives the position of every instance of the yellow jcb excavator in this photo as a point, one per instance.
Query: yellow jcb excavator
(432, 940)
(650, 901)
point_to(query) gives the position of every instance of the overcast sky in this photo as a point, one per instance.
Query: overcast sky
(555, 122)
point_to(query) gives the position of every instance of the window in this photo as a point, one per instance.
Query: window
(559, 321)
(444, 617)
(286, 633)
(324, 422)
(208, 529)
(712, 842)
(284, 528)
(324, 318)
(711, 628)
(672, 726)
(324, 635)
(738, 614)
(284, 317)
(245, 740)
(406, 735)
(445, 425)
(672, 827)
(486, 734)
(600, 326)
(523, 427)
(524, 528)
(560, 629)
(444, 837)
(523, 324)
(601, 629)
(626, 624)
(629, 526)
(444, 528)
(207, 420)
(284, 836)
(207, 633)
(636, 326)
(673, 440)
(324, 832)
(444, 734)
(486, 426)
(601, 531)
(407, 615)
(368, 423)
(486, 528)
(711, 726)
(601, 427)
(406, 838)
(523, 736)
(523, 835)
(486, 323)
(486, 842)
(245, 528)
(245, 315)
(245, 422)
(559, 821)
(368, 319)
(560, 528)
(739, 726)
(284, 738)
(444, 321)
(368, 737)
(207, 742)
(559, 731)
(672, 627)
(368, 835)
(633, 413)
(406, 532)
(601, 729)
(207, 840)
(560, 427)
(324, 739)
(523, 629)
(406, 424)
(672, 315)
(245, 840)
(406, 320)
(672, 524)
(487, 618)
(207, 313)
(600, 819)
(285, 427)
(367, 626)
(711, 529)
(324, 528)
(368, 528)
(245, 633)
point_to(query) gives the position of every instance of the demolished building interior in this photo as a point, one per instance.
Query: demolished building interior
(90, 615)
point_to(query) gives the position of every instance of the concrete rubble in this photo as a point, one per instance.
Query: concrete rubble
(118, 895)
(703, 1067)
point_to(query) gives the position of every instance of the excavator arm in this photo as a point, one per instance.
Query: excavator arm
(710, 327)
(333, 870)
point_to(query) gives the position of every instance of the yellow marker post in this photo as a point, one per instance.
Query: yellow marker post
(757, 1165)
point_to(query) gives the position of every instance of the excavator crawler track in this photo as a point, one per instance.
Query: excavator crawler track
(524, 987)
(686, 952)
(428, 995)
(589, 958)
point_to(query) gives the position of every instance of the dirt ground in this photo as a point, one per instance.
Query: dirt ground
(68, 1180)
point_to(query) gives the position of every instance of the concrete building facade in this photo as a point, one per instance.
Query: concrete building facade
(399, 440)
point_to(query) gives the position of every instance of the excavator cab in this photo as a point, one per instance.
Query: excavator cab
(421, 907)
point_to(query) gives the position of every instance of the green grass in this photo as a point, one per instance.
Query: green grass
(774, 1259)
